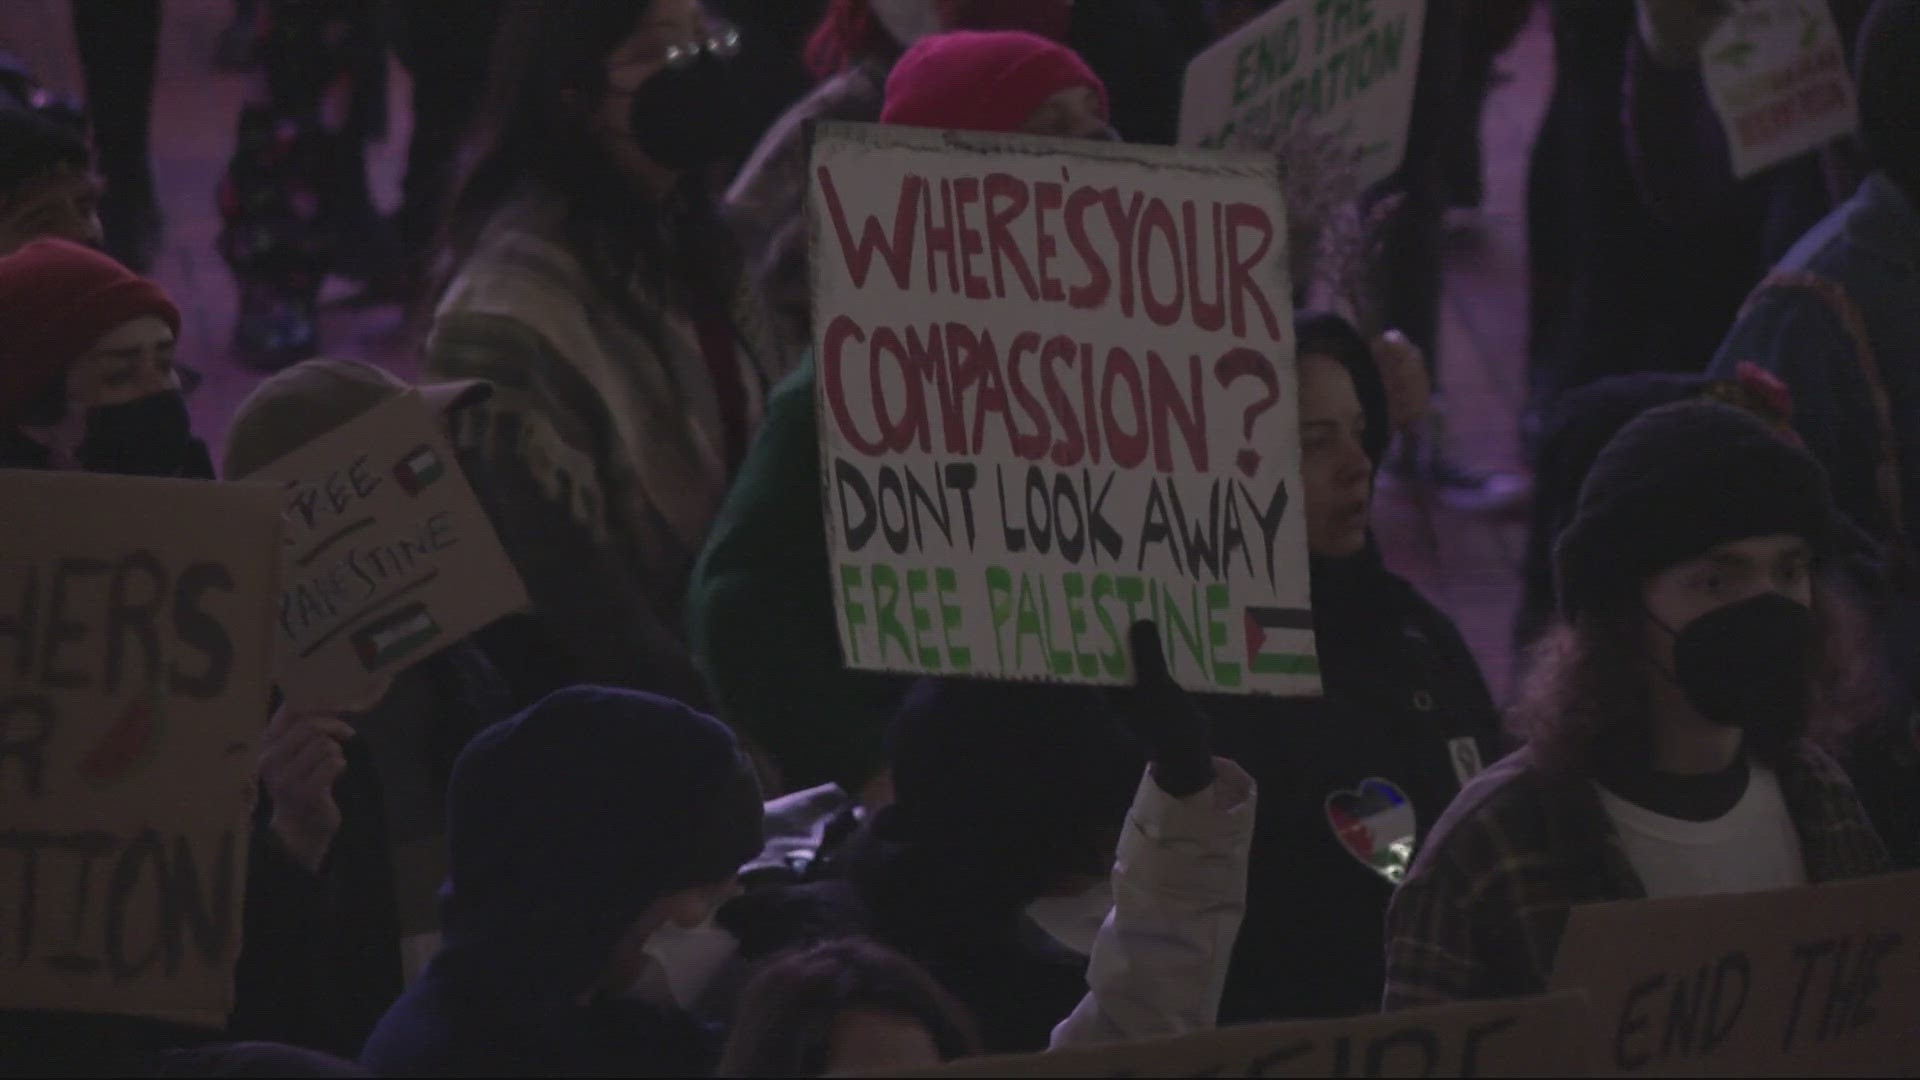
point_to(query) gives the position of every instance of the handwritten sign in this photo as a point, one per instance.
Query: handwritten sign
(1057, 394)
(1801, 982)
(135, 667)
(1529, 1037)
(1346, 66)
(1776, 73)
(390, 556)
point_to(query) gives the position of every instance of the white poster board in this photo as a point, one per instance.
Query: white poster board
(1776, 72)
(1347, 67)
(1056, 395)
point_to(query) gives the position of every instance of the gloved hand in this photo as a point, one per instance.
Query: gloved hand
(1172, 730)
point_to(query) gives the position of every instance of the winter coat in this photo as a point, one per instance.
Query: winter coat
(609, 442)
(761, 615)
(1157, 966)
(321, 959)
(1349, 785)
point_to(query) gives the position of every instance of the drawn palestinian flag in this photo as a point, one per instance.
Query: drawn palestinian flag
(419, 469)
(1267, 655)
(391, 637)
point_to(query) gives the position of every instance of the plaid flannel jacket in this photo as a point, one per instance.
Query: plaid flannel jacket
(1481, 913)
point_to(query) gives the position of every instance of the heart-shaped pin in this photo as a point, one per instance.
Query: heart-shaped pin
(1375, 822)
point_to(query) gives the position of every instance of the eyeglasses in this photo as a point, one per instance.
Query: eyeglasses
(721, 43)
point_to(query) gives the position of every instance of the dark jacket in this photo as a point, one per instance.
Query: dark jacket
(321, 960)
(761, 615)
(1343, 779)
(564, 824)
(1002, 790)
(945, 914)
(1481, 915)
(79, 1044)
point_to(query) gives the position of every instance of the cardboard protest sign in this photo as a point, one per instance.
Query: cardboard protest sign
(1529, 1037)
(1818, 981)
(390, 556)
(1776, 72)
(135, 666)
(1346, 66)
(1056, 395)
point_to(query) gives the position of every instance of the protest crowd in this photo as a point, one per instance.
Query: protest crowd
(879, 565)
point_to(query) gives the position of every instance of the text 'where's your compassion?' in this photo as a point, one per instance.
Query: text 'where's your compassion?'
(1057, 395)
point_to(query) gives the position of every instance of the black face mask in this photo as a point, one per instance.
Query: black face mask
(687, 118)
(1750, 665)
(149, 436)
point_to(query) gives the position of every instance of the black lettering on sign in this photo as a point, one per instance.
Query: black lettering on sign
(26, 727)
(1633, 1018)
(86, 848)
(133, 602)
(1852, 976)
(1391, 1054)
(199, 630)
(61, 630)
(128, 909)
(20, 618)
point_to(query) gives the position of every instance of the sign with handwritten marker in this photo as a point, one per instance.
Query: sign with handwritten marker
(135, 667)
(1815, 981)
(1344, 67)
(390, 556)
(1057, 395)
(1776, 72)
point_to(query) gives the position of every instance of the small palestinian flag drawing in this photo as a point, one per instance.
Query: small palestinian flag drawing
(419, 469)
(387, 639)
(1267, 657)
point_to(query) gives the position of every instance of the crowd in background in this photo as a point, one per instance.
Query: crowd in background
(656, 826)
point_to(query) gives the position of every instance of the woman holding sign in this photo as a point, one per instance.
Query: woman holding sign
(1350, 783)
(595, 286)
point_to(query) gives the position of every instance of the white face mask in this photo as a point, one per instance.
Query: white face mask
(684, 963)
(907, 20)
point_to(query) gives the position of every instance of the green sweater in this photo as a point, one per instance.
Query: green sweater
(761, 616)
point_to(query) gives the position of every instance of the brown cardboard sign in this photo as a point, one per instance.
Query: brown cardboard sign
(1529, 1037)
(1822, 980)
(136, 622)
(390, 556)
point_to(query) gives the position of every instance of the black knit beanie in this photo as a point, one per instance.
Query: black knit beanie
(1021, 775)
(1672, 485)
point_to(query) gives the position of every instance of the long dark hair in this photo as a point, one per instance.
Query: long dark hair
(677, 249)
(784, 1026)
(1585, 707)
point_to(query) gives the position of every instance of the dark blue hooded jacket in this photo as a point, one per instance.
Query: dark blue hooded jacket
(564, 824)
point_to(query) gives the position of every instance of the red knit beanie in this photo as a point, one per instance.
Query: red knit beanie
(57, 299)
(982, 81)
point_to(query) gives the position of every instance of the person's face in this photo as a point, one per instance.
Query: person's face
(133, 361)
(64, 207)
(1728, 574)
(1333, 459)
(879, 1043)
(667, 24)
(1073, 113)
